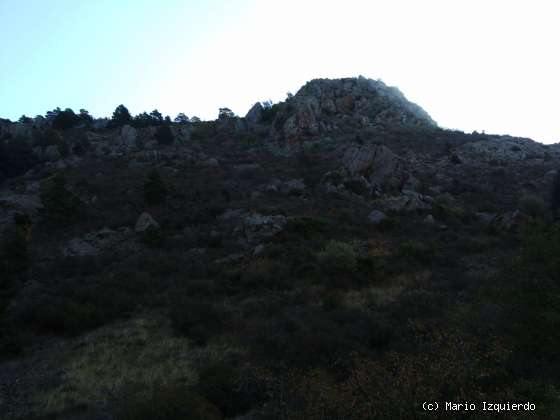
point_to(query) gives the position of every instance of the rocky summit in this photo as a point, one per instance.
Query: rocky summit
(324, 107)
(334, 255)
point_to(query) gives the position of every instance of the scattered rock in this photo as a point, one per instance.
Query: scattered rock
(257, 227)
(486, 218)
(407, 201)
(294, 186)
(98, 242)
(501, 148)
(377, 217)
(429, 219)
(259, 250)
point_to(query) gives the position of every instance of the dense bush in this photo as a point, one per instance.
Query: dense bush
(16, 158)
(221, 384)
(264, 273)
(59, 203)
(416, 250)
(269, 112)
(317, 336)
(72, 306)
(155, 190)
(203, 130)
(14, 257)
(195, 319)
(308, 227)
(555, 195)
(338, 256)
(164, 135)
(529, 292)
(165, 402)
(533, 206)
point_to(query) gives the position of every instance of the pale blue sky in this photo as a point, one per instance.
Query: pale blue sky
(472, 64)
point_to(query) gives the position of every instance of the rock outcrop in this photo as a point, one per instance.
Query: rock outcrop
(325, 106)
(501, 149)
(370, 170)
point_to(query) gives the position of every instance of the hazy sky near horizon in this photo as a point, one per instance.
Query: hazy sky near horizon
(472, 65)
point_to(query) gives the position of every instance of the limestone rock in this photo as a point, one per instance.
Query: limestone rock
(128, 139)
(407, 201)
(254, 115)
(258, 227)
(324, 106)
(376, 217)
(378, 164)
(145, 222)
(293, 186)
(501, 148)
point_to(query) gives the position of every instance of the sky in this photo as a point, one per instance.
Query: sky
(488, 65)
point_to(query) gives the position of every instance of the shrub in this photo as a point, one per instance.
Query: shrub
(47, 137)
(195, 319)
(80, 146)
(81, 303)
(14, 258)
(529, 292)
(265, 273)
(220, 384)
(164, 135)
(312, 336)
(555, 196)
(338, 256)
(412, 249)
(155, 190)
(60, 204)
(308, 227)
(203, 130)
(153, 238)
(165, 402)
(533, 206)
(269, 112)
(388, 224)
(16, 157)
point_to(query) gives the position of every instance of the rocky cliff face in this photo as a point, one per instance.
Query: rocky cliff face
(325, 107)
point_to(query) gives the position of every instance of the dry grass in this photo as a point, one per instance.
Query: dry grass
(387, 292)
(141, 351)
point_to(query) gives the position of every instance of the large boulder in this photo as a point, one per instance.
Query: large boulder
(145, 222)
(376, 217)
(377, 164)
(370, 170)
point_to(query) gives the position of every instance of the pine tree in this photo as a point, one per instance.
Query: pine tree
(121, 116)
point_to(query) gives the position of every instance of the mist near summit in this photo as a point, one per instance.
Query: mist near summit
(485, 66)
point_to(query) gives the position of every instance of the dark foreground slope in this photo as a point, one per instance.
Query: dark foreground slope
(300, 263)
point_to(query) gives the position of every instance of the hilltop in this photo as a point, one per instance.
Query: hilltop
(331, 255)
